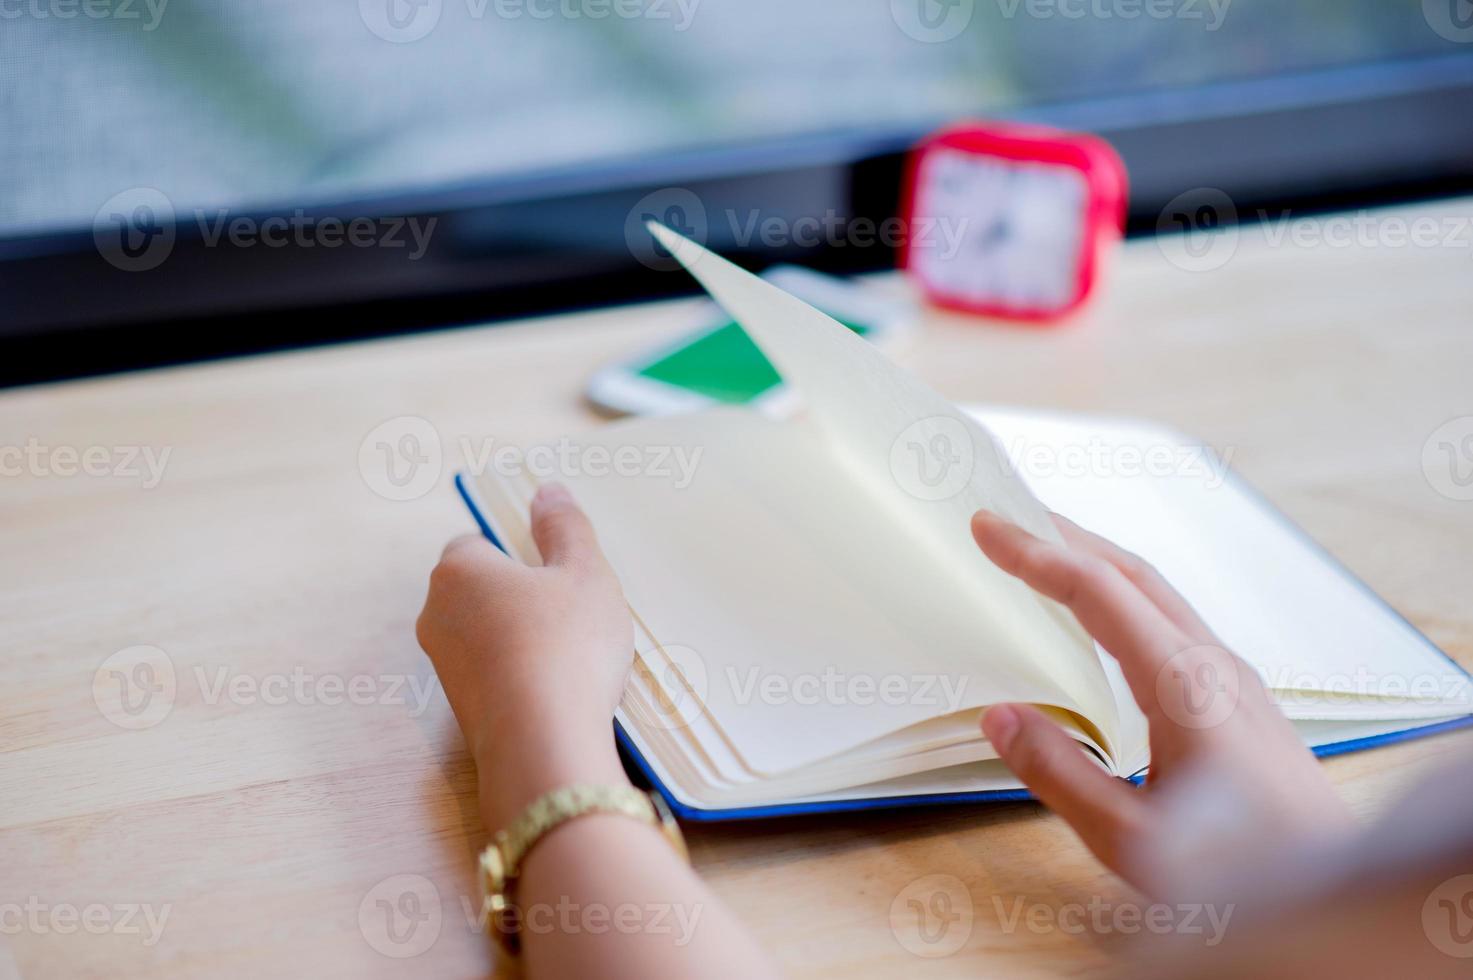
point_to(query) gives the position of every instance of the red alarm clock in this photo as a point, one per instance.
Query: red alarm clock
(1010, 220)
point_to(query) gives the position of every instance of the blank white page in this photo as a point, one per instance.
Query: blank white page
(1262, 586)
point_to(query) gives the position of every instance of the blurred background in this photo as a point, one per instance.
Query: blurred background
(529, 128)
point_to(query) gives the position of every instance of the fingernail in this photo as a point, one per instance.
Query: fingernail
(552, 493)
(1000, 724)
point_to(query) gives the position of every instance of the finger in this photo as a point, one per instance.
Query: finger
(1109, 607)
(471, 545)
(1142, 574)
(468, 558)
(562, 531)
(1102, 810)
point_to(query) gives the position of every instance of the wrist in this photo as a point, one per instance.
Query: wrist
(505, 791)
(525, 752)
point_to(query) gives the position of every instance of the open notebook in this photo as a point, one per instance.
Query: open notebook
(816, 630)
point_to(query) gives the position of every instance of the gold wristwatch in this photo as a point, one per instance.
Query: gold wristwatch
(501, 861)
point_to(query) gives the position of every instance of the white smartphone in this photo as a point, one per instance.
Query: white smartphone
(717, 363)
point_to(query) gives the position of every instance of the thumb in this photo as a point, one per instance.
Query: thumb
(1101, 810)
(562, 531)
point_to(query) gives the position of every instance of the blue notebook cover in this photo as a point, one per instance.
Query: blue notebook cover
(684, 812)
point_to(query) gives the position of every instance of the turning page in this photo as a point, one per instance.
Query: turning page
(928, 464)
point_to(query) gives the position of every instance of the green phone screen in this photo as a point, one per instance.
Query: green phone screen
(723, 365)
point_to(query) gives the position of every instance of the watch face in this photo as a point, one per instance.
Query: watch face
(991, 231)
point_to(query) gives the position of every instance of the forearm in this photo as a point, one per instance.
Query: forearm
(602, 894)
(607, 896)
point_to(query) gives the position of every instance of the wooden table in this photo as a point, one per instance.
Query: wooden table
(269, 807)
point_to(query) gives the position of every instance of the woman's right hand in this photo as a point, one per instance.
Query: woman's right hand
(1230, 780)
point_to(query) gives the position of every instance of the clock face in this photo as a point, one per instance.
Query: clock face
(1003, 233)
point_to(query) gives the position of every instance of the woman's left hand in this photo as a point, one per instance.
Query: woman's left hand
(533, 659)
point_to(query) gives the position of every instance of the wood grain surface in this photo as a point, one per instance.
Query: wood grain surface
(270, 797)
